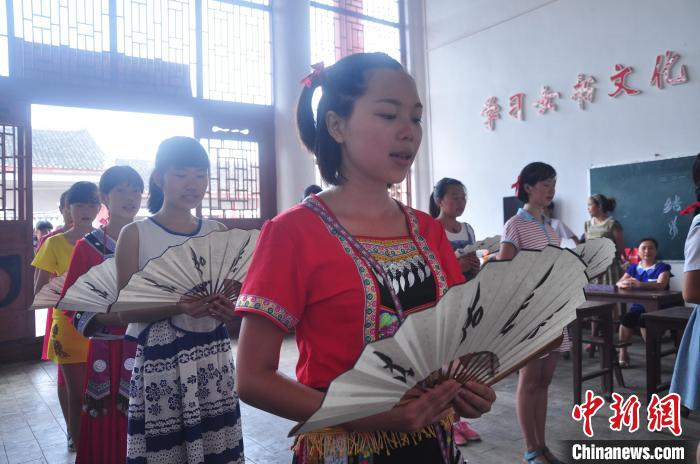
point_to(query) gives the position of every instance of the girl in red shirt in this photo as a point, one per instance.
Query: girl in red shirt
(344, 266)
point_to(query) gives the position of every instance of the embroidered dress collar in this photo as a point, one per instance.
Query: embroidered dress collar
(368, 278)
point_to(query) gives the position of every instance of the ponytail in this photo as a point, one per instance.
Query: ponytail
(606, 204)
(342, 83)
(439, 192)
(155, 196)
(433, 207)
(305, 116)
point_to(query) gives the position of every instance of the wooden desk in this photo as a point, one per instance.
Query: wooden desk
(651, 300)
(657, 323)
(604, 312)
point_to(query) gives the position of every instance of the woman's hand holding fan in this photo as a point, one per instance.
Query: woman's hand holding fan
(480, 331)
(207, 266)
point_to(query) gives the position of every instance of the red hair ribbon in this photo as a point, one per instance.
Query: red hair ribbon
(516, 186)
(690, 208)
(317, 70)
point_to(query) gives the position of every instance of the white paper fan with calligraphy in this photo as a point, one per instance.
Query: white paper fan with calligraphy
(49, 293)
(492, 244)
(598, 254)
(481, 330)
(201, 266)
(93, 291)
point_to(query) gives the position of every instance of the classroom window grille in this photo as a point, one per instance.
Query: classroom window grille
(234, 190)
(343, 27)
(157, 43)
(11, 175)
(4, 44)
(236, 48)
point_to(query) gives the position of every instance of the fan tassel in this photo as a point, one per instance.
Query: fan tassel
(336, 442)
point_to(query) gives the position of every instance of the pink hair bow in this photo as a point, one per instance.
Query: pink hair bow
(315, 74)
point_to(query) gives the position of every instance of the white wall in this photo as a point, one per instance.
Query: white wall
(484, 48)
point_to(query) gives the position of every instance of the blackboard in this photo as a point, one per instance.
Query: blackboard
(510, 207)
(649, 196)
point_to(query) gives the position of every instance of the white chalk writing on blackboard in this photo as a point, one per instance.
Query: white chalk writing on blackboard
(673, 205)
(673, 227)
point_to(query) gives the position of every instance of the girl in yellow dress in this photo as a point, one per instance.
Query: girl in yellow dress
(67, 347)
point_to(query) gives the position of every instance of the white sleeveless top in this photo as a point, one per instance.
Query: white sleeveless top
(154, 239)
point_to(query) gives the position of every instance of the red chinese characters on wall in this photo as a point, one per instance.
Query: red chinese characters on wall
(516, 106)
(490, 112)
(584, 89)
(662, 72)
(619, 79)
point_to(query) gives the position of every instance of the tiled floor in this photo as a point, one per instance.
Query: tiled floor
(32, 428)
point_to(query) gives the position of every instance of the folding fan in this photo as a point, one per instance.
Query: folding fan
(492, 244)
(201, 266)
(481, 330)
(598, 254)
(93, 291)
(49, 293)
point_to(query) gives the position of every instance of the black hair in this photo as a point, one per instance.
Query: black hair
(313, 188)
(439, 192)
(550, 206)
(83, 192)
(606, 203)
(62, 202)
(117, 175)
(649, 239)
(175, 152)
(342, 84)
(531, 175)
(44, 225)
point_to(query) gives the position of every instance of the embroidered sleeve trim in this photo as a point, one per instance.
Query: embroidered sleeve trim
(268, 307)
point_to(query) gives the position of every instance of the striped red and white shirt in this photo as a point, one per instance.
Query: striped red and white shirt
(525, 232)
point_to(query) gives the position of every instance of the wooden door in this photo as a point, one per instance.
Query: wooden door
(17, 339)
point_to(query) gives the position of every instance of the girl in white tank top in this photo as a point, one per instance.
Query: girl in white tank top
(183, 407)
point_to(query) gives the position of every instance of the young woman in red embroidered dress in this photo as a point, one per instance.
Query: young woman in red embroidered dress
(342, 267)
(108, 371)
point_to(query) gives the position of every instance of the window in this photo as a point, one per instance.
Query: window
(163, 35)
(11, 162)
(343, 27)
(234, 192)
(79, 24)
(236, 47)
(211, 49)
(4, 58)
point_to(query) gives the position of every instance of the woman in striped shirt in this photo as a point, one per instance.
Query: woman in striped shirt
(529, 229)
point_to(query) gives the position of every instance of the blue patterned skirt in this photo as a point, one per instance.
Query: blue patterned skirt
(686, 373)
(183, 407)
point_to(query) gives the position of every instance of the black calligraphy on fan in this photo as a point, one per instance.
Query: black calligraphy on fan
(534, 331)
(199, 262)
(166, 288)
(97, 291)
(392, 367)
(511, 321)
(474, 316)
